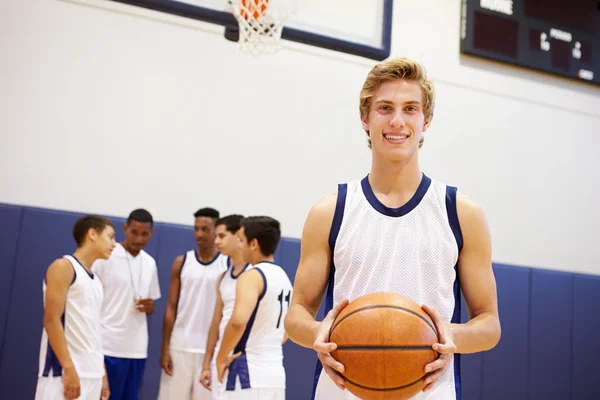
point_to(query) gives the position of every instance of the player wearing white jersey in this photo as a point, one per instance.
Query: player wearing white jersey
(397, 230)
(250, 359)
(71, 364)
(189, 311)
(229, 245)
(130, 282)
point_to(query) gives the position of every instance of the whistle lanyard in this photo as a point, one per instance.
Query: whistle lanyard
(136, 292)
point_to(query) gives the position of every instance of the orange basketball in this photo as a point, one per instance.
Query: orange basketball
(384, 342)
(256, 8)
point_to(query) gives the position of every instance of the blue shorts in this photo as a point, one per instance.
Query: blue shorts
(124, 377)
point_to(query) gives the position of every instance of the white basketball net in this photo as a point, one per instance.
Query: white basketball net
(260, 23)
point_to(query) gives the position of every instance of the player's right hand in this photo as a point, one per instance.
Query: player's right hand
(323, 347)
(166, 362)
(71, 383)
(205, 378)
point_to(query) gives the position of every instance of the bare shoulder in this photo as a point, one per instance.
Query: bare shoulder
(321, 213)
(177, 263)
(60, 269)
(472, 220)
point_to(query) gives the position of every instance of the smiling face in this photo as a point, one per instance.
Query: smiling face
(396, 120)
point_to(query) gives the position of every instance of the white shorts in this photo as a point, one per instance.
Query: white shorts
(51, 388)
(184, 384)
(216, 387)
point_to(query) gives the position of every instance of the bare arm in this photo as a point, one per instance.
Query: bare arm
(58, 279)
(248, 289)
(170, 315)
(213, 333)
(482, 332)
(312, 274)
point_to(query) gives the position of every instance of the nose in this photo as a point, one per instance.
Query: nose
(397, 120)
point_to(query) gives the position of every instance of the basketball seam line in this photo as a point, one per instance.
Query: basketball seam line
(385, 389)
(416, 347)
(382, 306)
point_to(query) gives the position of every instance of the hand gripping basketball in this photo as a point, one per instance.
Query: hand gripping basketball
(446, 348)
(323, 347)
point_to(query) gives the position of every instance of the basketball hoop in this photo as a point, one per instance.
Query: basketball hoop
(260, 24)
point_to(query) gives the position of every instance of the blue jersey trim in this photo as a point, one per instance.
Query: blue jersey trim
(453, 215)
(452, 211)
(400, 211)
(241, 272)
(90, 274)
(208, 263)
(239, 366)
(52, 361)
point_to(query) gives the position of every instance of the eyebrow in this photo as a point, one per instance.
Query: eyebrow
(383, 101)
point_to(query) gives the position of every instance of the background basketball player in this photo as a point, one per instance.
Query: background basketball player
(130, 282)
(252, 344)
(229, 245)
(397, 230)
(189, 311)
(71, 362)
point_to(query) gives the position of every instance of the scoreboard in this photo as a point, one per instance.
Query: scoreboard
(559, 37)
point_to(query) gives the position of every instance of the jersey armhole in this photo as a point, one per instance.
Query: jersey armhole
(338, 215)
(264, 282)
(182, 264)
(452, 211)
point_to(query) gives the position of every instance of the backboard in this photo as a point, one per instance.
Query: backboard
(358, 27)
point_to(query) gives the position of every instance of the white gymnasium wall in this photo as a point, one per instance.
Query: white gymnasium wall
(104, 108)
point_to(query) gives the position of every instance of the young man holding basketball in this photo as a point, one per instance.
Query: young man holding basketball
(71, 364)
(397, 230)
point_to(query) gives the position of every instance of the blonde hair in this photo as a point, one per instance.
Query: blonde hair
(389, 70)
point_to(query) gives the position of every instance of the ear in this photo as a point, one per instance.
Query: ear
(92, 234)
(125, 227)
(254, 244)
(365, 123)
(426, 125)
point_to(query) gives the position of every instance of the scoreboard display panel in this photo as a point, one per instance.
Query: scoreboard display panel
(560, 37)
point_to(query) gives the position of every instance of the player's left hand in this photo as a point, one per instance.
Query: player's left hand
(145, 305)
(105, 389)
(222, 365)
(446, 348)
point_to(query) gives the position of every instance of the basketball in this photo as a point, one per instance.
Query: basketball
(384, 341)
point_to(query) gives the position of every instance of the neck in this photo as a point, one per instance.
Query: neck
(129, 250)
(207, 254)
(85, 256)
(395, 176)
(238, 261)
(258, 258)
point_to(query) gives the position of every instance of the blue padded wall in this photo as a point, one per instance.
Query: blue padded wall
(550, 320)
(586, 343)
(9, 238)
(511, 353)
(45, 236)
(551, 335)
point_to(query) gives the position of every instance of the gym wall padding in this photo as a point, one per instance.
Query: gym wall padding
(550, 320)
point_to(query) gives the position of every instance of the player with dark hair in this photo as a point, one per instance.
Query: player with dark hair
(71, 364)
(250, 358)
(130, 281)
(189, 311)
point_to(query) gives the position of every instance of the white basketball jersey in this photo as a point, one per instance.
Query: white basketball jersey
(81, 322)
(227, 289)
(412, 250)
(261, 362)
(197, 297)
